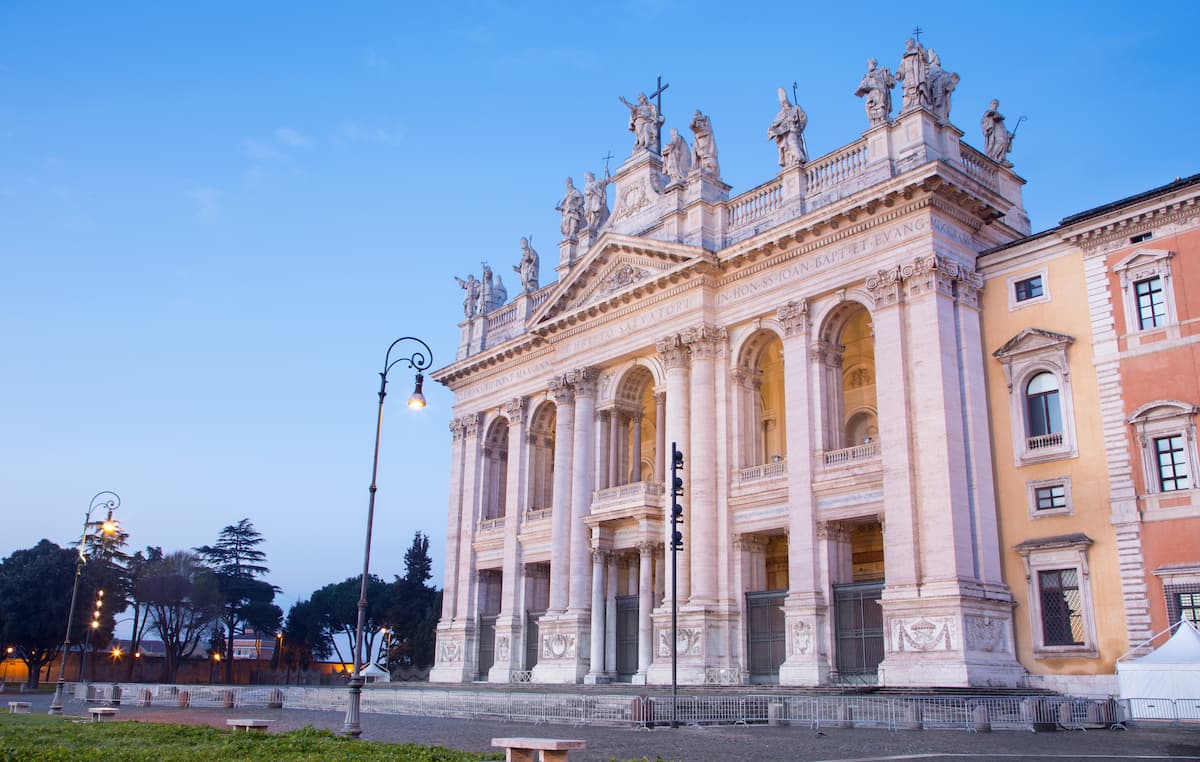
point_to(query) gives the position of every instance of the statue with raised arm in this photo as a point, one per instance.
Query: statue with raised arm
(941, 84)
(913, 72)
(876, 87)
(528, 269)
(595, 194)
(677, 157)
(997, 140)
(788, 132)
(704, 151)
(473, 289)
(644, 122)
(571, 207)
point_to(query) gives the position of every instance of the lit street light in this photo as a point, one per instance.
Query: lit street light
(418, 361)
(109, 501)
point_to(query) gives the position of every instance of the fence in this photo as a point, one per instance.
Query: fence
(712, 708)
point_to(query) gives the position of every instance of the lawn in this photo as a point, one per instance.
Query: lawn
(39, 737)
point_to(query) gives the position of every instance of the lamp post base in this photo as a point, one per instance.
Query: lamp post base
(56, 705)
(353, 728)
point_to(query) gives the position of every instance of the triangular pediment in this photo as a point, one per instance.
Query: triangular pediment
(1032, 340)
(1141, 258)
(616, 267)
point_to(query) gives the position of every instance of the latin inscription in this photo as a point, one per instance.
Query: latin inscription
(825, 259)
(540, 370)
(607, 333)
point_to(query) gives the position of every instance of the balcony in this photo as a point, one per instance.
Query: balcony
(1044, 441)
(487, 525)
(764, 471)
(628, 497)
(848, 456)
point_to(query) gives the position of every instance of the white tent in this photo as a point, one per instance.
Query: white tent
(1169, 672)
(373, 673)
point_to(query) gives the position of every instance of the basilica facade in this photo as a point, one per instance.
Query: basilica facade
(814, 348)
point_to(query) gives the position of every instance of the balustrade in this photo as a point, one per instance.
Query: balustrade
(764, 471)
(1043, 441)
(836, 168)
(755, 204)
(980, 167)
(487, 524)
(846, 455)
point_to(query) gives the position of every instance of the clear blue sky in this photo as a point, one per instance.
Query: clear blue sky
(214, 218)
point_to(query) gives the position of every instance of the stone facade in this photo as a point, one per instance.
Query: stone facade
(814, 348)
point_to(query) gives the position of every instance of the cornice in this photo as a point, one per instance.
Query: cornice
(1111, 232)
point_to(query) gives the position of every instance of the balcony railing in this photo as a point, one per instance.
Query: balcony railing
(1044, 440)
(848, 455)
(643, 493)
(537, 514)
(487, 524)
(764, 471)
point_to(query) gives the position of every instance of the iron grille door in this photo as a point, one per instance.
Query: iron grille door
(487, 646)
(765, 634)
(627, 636)
(859, 627)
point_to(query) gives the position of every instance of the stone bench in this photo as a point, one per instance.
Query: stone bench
(18, 707)
(100, 712)
(259, 726)
(525, 749)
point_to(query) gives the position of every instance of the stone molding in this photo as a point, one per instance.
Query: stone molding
(514, 410)
(794, 317)
(673, 351)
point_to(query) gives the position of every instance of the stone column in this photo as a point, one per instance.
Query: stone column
(610, 617)
(701, 498)
(614, 447)
(660, 436)
(454, 526)
(603, 450)
(472, 474)
(560, 515)
(583, 463)
(806, 608)
(635, 457)
(509, 622)
(596, 668)
(645, 606)
(675, 358)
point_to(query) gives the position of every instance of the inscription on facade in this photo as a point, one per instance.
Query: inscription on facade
(537, 370)
(825, 259)
(618, 330)
(857, 498)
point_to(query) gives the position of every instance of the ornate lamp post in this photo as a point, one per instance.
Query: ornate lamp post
(109, 501)
(419, 360)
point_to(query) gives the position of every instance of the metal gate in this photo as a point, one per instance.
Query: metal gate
(858, 628)
(765, 634)
(627, 637)
(531, 638)
(487, 646)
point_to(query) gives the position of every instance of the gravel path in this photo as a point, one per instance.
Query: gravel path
(715, 744)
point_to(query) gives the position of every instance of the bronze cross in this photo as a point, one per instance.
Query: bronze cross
(658, 94)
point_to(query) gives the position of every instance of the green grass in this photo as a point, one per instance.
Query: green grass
(37, 737)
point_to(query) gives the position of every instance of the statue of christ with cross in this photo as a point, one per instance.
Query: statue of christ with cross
(646, 119)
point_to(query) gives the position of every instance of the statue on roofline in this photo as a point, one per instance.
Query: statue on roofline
(595, 195)
(528, 268)
(473, 289)
(644, 122)
(876, 86)
(913, 72)
(677, 158)
(997, 140)
(704, 152)
(941, 84)
(788, 132)
(571, 207)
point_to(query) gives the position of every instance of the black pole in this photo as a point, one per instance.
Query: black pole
(676, 544)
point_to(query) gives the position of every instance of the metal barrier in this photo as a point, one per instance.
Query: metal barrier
(710, 708)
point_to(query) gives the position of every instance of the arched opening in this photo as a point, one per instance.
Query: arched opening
(541, 457)
(846, 353)
(1043, 411)
(495, 473)
(632, 430)
(761, 400)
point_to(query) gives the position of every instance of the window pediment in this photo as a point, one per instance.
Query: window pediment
(1033, 340)
(1161, 410)
(1143, 263)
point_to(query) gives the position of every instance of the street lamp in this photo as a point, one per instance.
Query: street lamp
(8, 652)
(110, 502)
(419, 360)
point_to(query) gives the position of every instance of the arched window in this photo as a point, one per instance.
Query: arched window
(495, 475)
(1043, 409)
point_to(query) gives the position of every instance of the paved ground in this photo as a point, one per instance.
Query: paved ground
(712, 744)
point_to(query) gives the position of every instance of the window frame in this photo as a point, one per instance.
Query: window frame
(1028, 354)
(1011, 284)
(1143, 265)
(1032, 487)
(1151, 423)
(1181, 579)
(1065, 552)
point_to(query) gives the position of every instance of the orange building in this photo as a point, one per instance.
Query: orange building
(1093, 389)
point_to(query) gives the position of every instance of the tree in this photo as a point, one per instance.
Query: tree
(35, 593)
(182, 600)
(136, 569)
(304, 638)
(246, 601)
(418, 566)
(336, 608)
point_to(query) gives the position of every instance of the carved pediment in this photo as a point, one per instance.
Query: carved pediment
(617, 265)
(1032, 340)
(1143, 263)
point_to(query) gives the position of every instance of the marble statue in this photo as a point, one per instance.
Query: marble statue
(876, 87)
(487, 291)
(499, 293)
(704, 151)
(941, 84)
(571, 207)
(528, 269)
(473, 289)
(997, 140)
(595, 194)
(913, 72)
(644, 122)
(677, 157)
(788, 132)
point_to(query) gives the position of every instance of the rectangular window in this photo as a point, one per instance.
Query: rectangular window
(1188, 607)
(1141, 237)
(1172, 464)
(1151, 304)
(1051, 497)
(1062, 611)
(1029, 288)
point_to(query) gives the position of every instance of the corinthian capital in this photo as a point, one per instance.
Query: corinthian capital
(793, 316)
(673, 351)
(704, 340)
(514, 411)
(584, 381)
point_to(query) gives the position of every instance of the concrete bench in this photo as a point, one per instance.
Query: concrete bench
(259, 726)
(18, 707)
(525, 749)
(100, 712)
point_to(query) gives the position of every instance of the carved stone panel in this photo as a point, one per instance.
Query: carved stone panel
(923, 634)
(801, 640)
(450, 651)
(987, 634)
(558, 645)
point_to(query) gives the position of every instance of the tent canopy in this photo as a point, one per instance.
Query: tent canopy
(1170, 671)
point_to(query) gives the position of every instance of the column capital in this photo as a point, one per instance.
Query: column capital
(794, 317)
(704, 340)
(647, 548)
(673, 351)
(884, 287)
(584, 381)
(470, 424)
(514, 411)
(457, 429)
(562, 391)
